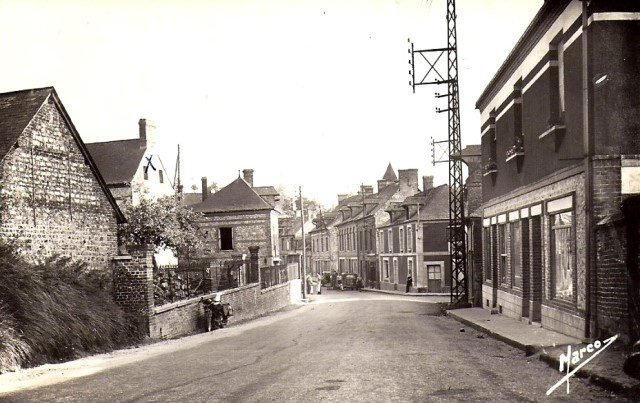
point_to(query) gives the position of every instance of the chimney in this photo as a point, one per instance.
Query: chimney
(147, 131)
(205, 188)
(342, 197)
(427, 182)
(383, 184)
(247, 174)
(408, 179)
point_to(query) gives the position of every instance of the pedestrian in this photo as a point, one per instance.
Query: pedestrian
(409, 282)
(319, 283)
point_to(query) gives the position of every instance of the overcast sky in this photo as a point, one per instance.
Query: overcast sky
(307, 93)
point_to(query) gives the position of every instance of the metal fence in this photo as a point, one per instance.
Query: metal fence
(196, 276)
(273, 275)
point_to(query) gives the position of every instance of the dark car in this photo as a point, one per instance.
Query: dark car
(350, 281)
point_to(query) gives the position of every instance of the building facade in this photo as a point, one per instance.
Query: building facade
(133, 168)
(236, 218)
(560, 152)
(54, 200)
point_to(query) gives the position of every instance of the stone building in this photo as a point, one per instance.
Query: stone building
(237, 217)
(54, 200)
(361, 215)
(560, 153)
(413, 239)
(133, 168)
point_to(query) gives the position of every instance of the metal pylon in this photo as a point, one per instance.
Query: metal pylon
(459, 286)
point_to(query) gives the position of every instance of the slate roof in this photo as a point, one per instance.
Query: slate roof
(189, 199)
(434, 205)
(236, 196)
(118, 160)
(266, 190)
(18, 108)
(16, 111)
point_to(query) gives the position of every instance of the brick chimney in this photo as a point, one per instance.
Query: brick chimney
(147, 130)
(427, 182)
(408, 179)
(205, 188)
(247, 174)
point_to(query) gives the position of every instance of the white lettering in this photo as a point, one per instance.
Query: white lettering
(597, 344)
(565, 359)
(590, 348)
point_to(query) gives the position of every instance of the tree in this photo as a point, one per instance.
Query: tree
(290, 204)
(163, 223)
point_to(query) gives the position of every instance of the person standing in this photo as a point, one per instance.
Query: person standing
(409, 282)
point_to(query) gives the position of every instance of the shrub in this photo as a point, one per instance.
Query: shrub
(13, 349)
(61, 309)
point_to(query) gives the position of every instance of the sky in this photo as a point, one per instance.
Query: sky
(310, 94)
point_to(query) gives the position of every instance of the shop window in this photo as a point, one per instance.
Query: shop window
(487, 254)
(562, 267)
(502, 253)
(516, 255)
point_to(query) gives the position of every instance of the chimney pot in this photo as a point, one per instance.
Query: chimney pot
(247, 174)
(205, 188)
(147, 131)
(427, 182)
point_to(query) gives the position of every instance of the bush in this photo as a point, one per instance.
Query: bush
(61, 310)
(13, 350)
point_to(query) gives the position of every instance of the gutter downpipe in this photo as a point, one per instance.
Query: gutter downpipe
(587, 115)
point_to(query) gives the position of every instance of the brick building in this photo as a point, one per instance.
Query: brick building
(133, 168)
(413, 239)
(237, 217)
(560, 152)
(54, 200)
(359, 217)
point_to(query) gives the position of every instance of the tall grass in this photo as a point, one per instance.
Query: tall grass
(59, 309)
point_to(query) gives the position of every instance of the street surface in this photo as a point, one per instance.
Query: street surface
(342, 347)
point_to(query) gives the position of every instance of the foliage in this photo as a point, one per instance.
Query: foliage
(59, 308)
(290, 204)
(162, 222)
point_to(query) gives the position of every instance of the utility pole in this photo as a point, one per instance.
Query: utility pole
(303, 266)
(176, 177)
(459, 287)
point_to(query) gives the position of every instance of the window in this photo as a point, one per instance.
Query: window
(410, 267)
(401, 240)
(561, 258)
(502, 253)
(161, 175)
(487, 254)
(385, 266)
(409, 239)
(395, 269)
(390, 240)
(434, 272)
(226, 238)
(146, 174)
(556, 71)
(516, 255)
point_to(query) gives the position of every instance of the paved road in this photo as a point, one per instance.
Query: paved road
(342, 347)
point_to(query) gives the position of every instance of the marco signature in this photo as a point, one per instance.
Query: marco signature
(573, 358)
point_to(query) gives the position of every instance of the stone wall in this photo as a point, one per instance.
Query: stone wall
(51, 200)
(133, 291)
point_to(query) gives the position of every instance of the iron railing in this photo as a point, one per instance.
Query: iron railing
(273, 275)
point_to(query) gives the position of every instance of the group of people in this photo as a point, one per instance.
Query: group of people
(314, 284)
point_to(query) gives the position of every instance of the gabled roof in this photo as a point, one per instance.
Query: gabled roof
(18, 108)
(189, 199)
(390, 174)
(236, 196)
(266, 190)
(118, 160)
(16, 111)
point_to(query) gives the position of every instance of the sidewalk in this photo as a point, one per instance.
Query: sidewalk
(443, 295)
(604, 370)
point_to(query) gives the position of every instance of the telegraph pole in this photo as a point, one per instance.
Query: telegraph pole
(303, 267)
(459, 287)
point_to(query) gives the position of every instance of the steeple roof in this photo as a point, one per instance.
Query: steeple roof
(390, 174)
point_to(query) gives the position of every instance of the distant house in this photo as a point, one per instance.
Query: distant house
(54, 199)
(413, 240)
(132, 168)
(237, 217)
(361, 215)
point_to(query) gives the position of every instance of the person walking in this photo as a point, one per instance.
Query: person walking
(409, 282)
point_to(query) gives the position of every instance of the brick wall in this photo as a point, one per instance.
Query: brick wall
(51, 199)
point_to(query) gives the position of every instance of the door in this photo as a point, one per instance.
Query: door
(434, 277)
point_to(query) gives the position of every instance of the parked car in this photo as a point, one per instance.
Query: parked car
(349, 281)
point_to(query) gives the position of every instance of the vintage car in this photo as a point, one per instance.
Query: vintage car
(349, 281)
